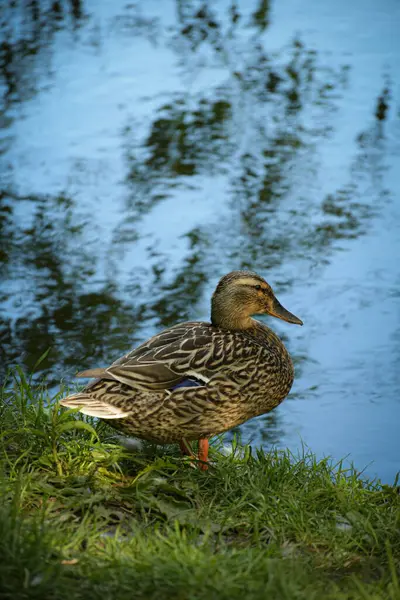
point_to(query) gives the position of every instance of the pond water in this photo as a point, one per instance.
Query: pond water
(147, 148)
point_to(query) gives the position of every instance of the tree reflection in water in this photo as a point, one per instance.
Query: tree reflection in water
(257, 124)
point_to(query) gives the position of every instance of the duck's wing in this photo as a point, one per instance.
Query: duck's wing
(194, 349)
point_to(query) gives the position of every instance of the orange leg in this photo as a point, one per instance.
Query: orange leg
(185, 448)
(203, 454)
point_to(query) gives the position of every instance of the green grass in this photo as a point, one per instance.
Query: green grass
(80, 517)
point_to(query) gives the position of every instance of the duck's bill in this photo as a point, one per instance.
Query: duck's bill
(281, 313)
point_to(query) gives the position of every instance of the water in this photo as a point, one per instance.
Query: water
(148, 148)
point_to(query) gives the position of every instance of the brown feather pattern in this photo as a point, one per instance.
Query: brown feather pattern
(245, 372)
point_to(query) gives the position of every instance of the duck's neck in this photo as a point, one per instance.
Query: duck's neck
(226, 314)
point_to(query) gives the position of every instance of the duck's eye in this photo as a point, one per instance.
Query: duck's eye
(257, 287)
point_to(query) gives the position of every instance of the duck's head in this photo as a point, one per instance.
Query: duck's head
(241, 294)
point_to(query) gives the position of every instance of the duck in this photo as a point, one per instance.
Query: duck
(197, 379)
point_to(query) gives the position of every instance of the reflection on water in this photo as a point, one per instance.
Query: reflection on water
(145, 151)
(27, 31)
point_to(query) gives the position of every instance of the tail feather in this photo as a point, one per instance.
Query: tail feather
(93, 407)
(96, 373)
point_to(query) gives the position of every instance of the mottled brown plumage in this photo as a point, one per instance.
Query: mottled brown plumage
(242, 369)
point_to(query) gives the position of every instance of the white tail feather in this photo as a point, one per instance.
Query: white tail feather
(94, 408)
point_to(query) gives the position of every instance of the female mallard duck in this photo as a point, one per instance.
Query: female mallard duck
(195, 380)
